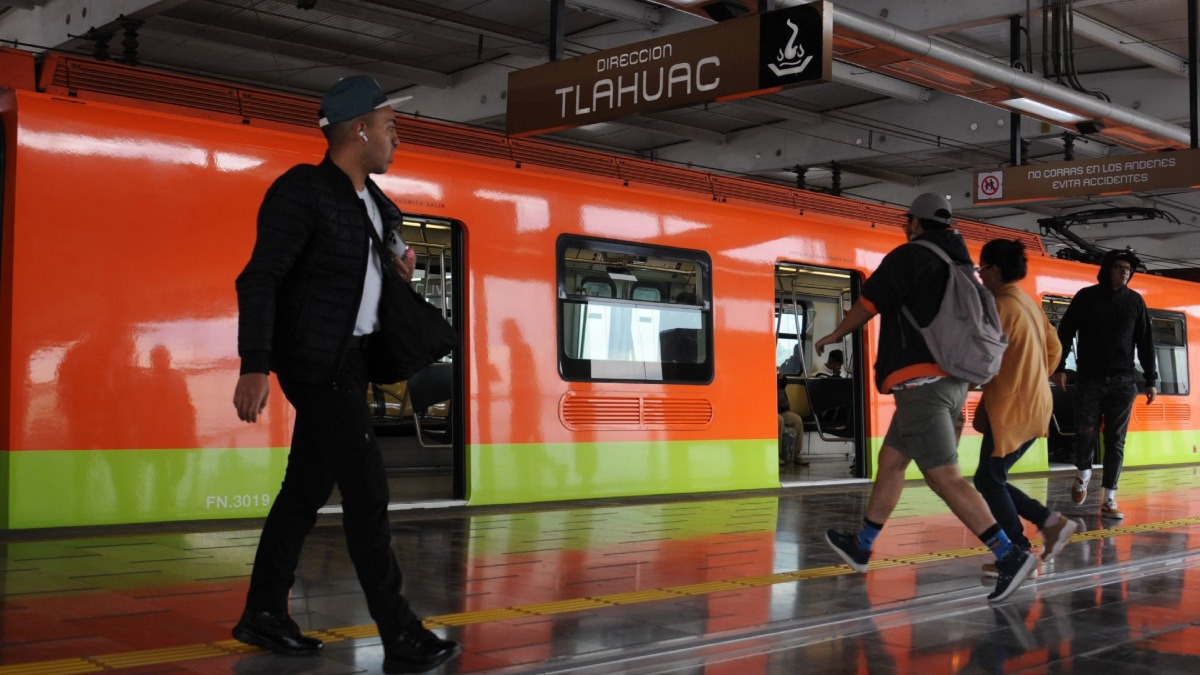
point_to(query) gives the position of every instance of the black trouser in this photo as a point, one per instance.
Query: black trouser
(333, 442)
(1006, 502)
(1108, 399)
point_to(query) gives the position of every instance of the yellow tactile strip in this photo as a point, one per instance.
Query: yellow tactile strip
(110, 662)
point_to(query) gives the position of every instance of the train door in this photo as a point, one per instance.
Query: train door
(1060, 435)
(825, 395)
(415, 420)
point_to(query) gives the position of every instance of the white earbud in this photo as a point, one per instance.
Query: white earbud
(363, 135)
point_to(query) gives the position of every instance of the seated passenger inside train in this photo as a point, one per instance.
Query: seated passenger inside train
(834, 414)
(835, 366)
(791, 428)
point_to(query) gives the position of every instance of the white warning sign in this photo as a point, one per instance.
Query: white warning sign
(989, 185)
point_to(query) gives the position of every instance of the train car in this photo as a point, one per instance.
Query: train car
(624, 324)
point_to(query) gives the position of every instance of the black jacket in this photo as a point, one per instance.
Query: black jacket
(914, 277)
(298, 295)
(1111, 325)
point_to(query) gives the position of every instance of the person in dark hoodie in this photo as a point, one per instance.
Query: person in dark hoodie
(928, 401)
(1111, 321)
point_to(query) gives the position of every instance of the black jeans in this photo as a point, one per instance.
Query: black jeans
(1107, 399)
(1007, 503)
(333, 442)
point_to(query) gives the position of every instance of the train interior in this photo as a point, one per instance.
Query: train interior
(809, 303)
(414, 419)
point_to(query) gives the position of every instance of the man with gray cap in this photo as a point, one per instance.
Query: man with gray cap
(308, 306)
(928, 401)
(1111, 321)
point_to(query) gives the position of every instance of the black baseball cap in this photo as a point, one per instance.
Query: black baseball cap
(354, 96)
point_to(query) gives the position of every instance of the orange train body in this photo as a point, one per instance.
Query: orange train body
(127, 219)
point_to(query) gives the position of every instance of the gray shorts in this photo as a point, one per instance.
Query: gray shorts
(923, 428)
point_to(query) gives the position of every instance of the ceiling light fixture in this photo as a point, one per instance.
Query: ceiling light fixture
(1038, 109)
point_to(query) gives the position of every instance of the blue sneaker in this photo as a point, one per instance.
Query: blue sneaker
(847, 545)
(1014, 569)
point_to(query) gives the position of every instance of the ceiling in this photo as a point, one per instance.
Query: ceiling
(888, 138)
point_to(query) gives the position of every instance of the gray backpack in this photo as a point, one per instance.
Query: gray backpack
(965, 336)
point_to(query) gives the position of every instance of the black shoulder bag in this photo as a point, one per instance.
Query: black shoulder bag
(412, 333)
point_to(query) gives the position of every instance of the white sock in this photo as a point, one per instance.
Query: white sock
(1084, 476)
(1110, 495)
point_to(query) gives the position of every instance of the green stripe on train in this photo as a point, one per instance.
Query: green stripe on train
(540, 472)
(54, 488)
(48, 488)
(1142, 448)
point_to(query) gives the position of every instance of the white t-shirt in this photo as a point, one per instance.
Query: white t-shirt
(368, 309)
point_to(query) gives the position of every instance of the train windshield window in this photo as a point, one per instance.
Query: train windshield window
(1170, 348)
(632, 312)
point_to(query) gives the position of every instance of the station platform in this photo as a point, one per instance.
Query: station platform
(713, 584)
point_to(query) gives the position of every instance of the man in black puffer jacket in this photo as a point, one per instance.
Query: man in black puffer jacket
(308, 305)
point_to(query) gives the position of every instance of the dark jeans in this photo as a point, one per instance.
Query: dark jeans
(333, 442)
(1007, 503)
(1109, 400)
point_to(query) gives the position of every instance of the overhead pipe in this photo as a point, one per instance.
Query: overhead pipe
(1004, 76)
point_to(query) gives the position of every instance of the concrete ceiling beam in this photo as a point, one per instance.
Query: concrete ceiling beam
(368, 61)
(392, 18)
(53, 23)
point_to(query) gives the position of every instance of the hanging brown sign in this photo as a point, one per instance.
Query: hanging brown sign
(1112, 175)
(734, 59)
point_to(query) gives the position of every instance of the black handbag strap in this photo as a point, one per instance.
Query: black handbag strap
(382, 251)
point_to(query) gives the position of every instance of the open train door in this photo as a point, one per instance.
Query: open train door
(826, 406)
(419, 421)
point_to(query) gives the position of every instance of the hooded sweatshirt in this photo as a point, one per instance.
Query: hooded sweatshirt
(1110, 324)
(910, 276)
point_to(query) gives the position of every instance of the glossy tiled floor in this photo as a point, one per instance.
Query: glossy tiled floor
(698, 584)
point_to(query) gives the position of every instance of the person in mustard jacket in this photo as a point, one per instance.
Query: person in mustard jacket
(1016, 406)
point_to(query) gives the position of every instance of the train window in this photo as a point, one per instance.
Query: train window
(791, 322)
(654, 326)
(597, 287)
(1170, 349)
(646, 290)
(1170, 344)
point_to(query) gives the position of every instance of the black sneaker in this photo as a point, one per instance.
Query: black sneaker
(1014, 569)
(275, 631)
(846, 544)
(416, 651)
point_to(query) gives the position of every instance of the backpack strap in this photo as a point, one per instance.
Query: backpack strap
(935, 248)
(923, 243)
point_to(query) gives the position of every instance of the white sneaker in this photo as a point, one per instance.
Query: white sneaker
(1109, 510)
